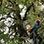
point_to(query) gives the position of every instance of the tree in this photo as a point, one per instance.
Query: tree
(11, 18)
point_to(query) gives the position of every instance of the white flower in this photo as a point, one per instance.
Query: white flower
(11, 37)
(41, 7)
(6, 31)
(27, 26)
(20, 6)
(2, 41)
(23, 12)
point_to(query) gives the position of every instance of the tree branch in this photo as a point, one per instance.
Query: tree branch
(1, 2)
(18, 12)
(10, 9)
(7, 17)
(17, 9)
(28, 8)
(2, 19)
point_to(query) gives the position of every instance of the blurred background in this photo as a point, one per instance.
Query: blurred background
(15, 15)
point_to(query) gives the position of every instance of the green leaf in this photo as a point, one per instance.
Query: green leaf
(12, 42)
